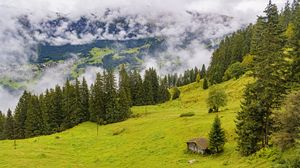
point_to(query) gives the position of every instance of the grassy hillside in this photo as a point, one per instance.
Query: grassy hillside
(154, 138)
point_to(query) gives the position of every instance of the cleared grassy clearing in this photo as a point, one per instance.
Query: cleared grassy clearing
(154, 138)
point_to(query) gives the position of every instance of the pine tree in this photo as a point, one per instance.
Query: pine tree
(46, 111)
(180, 81)
(155, 85)
(254, 123)
(124, 108)
(20, 115)
(78, 116)
(2, 122)
(148, 89)
(217, 137)
(175, 80)
(270, 69)
(136, 87)
(249, 126)
(84, 100)
(112, 113)
(8, 130)
(124, 83)
(186, 79)
(192, 76)
(256, 42)
(151, 87)
(205, 84)
(57, 116)
(203, 72)
(97, 100)
(196, 72)
(286, 15)
(34, 124)
(68, 105)
(295, 44)
(164, 94)
(51, 106)
(92, 104)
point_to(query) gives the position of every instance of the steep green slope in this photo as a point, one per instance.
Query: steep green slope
(154, 138)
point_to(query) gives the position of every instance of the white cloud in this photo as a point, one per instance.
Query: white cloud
(73, 7)
(53, 76)
(8, 99)
(245, 10)
(90, 74)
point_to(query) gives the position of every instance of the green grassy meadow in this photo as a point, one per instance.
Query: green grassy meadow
(155, 137)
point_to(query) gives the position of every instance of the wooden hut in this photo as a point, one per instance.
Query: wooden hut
(198, 145)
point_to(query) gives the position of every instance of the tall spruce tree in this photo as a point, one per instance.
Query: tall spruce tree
(249, 123)
(124, 83)
(163, 93)
(97, 100)
(112, 113)
(286, 15)
(92, 104)
(148, 90)
(203, 72)
(51, 106)
(46, 111)
(217, 137)
(196, 72)
(34, 124)
(155, 85)
(270, 87)
(79, 115)
(270, 69)
(136, 87)
(20, 115)
(256, 42)
(57, 116)
(68, 105)
(124, 106)
(205, 83)
(2, 122)
(295, 44)
(8, 130)
(151, 87)
(84, 100)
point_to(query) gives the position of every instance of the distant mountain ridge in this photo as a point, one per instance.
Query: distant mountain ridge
(112, 38)
(111, 26)
(60, 36)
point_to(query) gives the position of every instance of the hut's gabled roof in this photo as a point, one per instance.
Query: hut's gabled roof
(201, 143)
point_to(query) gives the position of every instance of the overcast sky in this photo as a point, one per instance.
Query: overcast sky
(244, 9)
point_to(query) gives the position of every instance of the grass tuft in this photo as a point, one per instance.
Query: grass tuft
(118, 131)
(189, 114)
